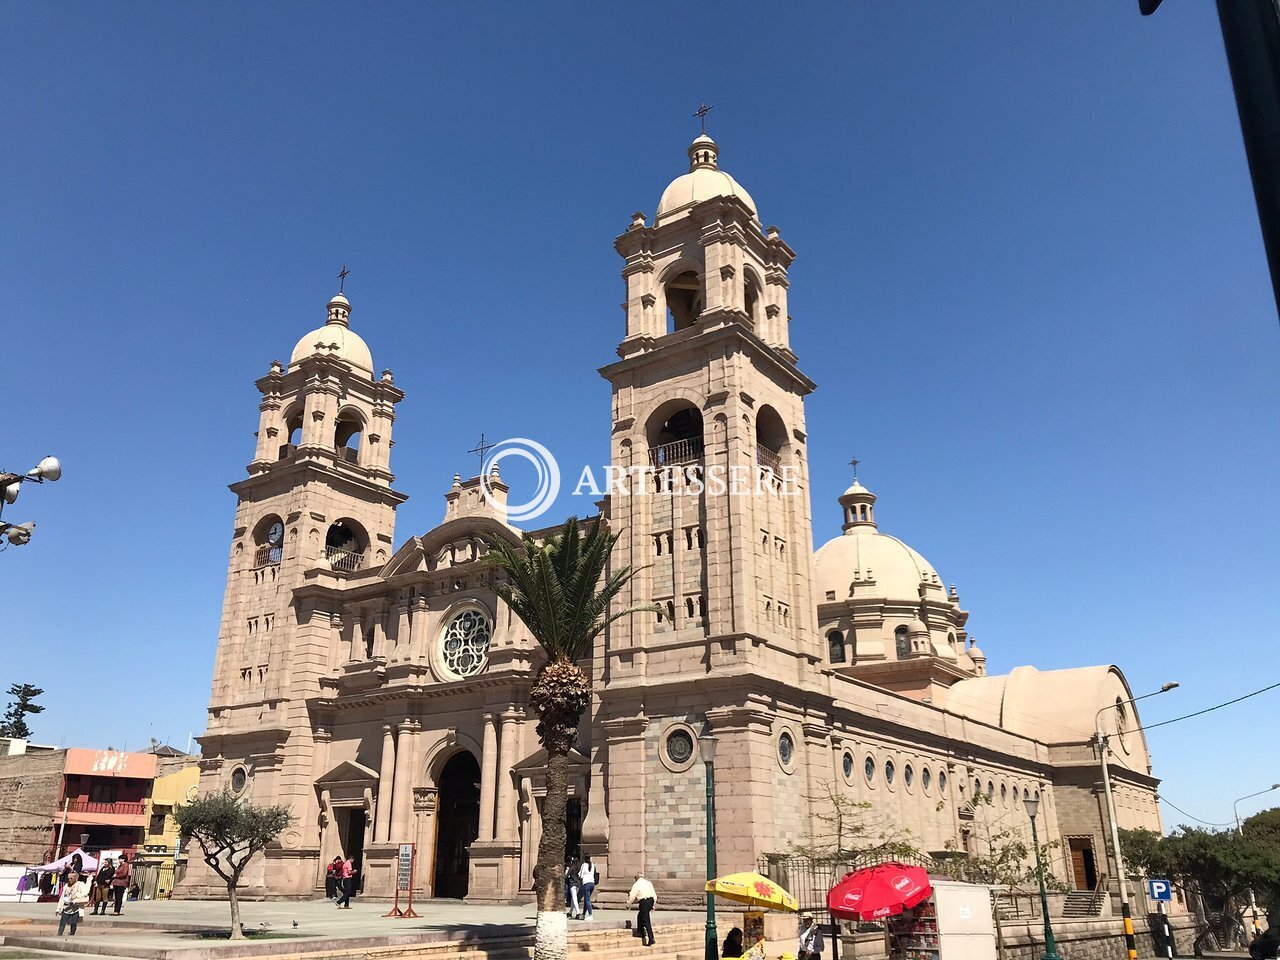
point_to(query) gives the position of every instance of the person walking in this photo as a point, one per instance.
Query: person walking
(587, 876)
(347, 880)
(75, 894)
(332, 879)
(644, 897)
(810, 945)
(572, 888)
(100, 895)
(120, 882)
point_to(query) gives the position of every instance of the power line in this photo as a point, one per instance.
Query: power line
(1209, 710)
(1164, 799)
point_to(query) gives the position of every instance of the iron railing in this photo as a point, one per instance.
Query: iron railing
(344, 561)
(104, 806)
(809, 879)
(267, 555)
(681, 451)
(767, 458)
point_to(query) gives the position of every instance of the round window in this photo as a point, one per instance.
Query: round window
(464, 645)
(942, 781)
(239, 780)
(888, 772)
(846, 763)
(926, 778)
(679, 747)
(786, 749)
(908, 775)
(869, 768)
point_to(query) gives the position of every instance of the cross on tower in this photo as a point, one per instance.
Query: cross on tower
(482, 448)
(342, 277)
(854, 463)
(701, 114)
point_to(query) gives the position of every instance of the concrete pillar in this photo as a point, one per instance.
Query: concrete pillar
(488, 776)
(508, 813)
(386, 775)
(402, 808)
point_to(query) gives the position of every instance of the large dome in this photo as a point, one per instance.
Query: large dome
(336, 339)
(865, 553)
(703, 182)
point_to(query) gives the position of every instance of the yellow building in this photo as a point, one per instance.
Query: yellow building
(175, 784)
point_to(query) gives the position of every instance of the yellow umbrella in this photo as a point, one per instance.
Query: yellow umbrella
(753, 890)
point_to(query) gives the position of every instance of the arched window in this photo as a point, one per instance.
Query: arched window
(835, 647)
(771, 438)
(268, 539)
(346, 436)
(675, 435)
(751, 297)
(901, 643)
(293, 429)
(345, 545)
(684, 301)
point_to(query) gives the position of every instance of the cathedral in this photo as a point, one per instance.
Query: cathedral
(380, 688)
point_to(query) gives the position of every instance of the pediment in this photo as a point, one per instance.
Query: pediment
(408, 559)
(537, 761)
(348, 772)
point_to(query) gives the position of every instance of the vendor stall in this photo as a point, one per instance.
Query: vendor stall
(758, 894)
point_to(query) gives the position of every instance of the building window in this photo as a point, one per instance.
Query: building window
(239, 780)
(786, 749)
(942, 783)
(464, 644)
(1004, 794)
(846, 764)
(889, 771)
(926, 779)
(835, 646)
(901, 642)
(977, 788)
(869, 769)
(908, 776)
(991, 790)
(679, 746)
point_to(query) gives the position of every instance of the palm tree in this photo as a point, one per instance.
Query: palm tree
(562, 590)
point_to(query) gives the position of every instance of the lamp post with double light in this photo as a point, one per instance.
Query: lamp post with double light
(1253, 900)
(19, 534)
(1130, 940)
(707, 748)
(1050, 946)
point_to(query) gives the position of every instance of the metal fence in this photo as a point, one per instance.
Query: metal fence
(809, 879)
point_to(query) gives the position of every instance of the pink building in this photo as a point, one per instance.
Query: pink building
(104, 794)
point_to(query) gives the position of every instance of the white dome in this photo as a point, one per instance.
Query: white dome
(897, 570)
(704, 181)
(336, 339)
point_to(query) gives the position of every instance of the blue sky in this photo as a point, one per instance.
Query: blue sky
(1030, 286)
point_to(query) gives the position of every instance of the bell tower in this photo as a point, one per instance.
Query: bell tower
(708, 423)
(317, 502)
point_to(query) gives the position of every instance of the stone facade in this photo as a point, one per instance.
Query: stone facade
(382, 691)
(30, 790)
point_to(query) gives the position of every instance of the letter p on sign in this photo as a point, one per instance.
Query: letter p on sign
(1159, 890)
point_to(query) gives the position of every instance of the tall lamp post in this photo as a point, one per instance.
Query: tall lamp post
(1253, 900)
(1130, 941)
(1050, 947)
(47, 469)
(707, 747)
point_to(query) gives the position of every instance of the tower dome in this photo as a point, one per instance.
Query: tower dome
(336, 339)
(704, 181)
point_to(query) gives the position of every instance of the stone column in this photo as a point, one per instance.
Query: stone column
(402, 809)
(386, 788)
(488, 776)
(508, 825)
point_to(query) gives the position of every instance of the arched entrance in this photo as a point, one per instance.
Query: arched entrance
(457, 823)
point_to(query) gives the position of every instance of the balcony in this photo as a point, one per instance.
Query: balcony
(126, 809)
(681, 451)
(267, 555)
(344, 561)
(767, 458)
(103, 813)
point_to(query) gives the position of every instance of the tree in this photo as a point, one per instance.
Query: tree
(562, 590)
(845, 836)
(23, 703)
(230, 832)
(1008, 861)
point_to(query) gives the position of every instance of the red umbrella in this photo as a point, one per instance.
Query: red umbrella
(880, 891)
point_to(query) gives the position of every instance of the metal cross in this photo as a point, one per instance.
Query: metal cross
(342, 277)
(482, 449)
(854, 463)
(701, 114)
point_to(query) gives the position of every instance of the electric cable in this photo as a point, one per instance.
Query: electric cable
(1199, 713)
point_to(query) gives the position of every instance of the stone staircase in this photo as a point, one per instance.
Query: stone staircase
(1083, 904)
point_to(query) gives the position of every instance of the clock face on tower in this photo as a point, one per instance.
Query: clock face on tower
(276, 534)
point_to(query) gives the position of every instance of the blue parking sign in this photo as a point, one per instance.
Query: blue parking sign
(1160, 891)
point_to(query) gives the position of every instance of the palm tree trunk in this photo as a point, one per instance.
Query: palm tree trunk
(551, 939)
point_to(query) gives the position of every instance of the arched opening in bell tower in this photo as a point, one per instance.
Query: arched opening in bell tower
(684, 301)
(345, 545)
(751, 296)
(347, 434)
(771, 438)
(675, 434)
(293, 432)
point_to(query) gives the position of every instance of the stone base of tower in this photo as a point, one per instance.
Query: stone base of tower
(495, 873)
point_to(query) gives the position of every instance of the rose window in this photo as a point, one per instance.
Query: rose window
(465, 644)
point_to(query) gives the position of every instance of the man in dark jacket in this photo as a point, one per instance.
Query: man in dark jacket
(1266, 947)
(102, 886)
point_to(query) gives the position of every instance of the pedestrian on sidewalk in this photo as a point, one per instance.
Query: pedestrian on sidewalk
(332, 879)
(644, 897)
(347, 879)
(1266, 947)
(588, 877)
(572, 888)
(75, 894)
(100, 895)
(810, 946)
(120, 882)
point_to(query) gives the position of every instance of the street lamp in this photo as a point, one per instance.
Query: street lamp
(707, 747)
(47, 469)
(1050, 947)
(1131, 942)
(1253, 900)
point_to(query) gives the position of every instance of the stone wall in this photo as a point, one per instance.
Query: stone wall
(30, 785)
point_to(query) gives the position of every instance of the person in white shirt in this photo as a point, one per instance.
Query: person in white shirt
(74, 896)
(644, 897)
(810, 946)
(587, 874)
